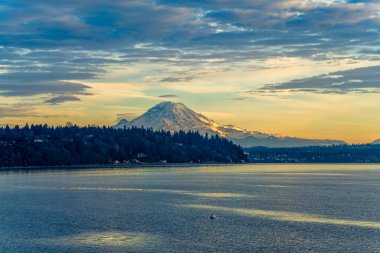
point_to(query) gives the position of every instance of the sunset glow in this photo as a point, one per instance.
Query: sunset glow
(309, 69)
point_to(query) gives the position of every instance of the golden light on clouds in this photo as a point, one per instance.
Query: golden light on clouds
(235, 64)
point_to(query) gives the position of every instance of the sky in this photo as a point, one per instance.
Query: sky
(306, 68)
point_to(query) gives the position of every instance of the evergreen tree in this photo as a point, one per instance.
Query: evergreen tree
(41, 145)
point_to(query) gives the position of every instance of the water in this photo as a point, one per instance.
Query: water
(258, 208)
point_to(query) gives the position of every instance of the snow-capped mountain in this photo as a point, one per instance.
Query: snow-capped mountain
(173, 117)
(377, 142)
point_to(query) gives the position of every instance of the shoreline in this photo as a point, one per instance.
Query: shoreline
(114, 166)
(151, 165)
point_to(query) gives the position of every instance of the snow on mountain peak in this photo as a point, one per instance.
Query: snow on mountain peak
(173, 117)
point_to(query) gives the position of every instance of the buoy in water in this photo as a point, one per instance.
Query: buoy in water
(212, 217)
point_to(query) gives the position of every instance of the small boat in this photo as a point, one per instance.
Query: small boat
(212, 217)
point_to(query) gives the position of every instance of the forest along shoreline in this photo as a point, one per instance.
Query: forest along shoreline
(116, 166)
(42, 145)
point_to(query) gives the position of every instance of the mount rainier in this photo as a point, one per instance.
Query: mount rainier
(174, 117)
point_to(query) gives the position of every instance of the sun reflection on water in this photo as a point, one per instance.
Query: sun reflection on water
(288, 216)
(170, 191)
(105, 239)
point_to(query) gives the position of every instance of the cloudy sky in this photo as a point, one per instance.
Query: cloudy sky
(307, 68)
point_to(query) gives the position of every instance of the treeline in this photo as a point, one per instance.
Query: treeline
(320, 154)
(41, 145)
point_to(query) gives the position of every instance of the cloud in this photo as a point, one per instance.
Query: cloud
(168, 96)
(21, 111)
(61, 99)
(127, 116)
(241, 98)
(298, 14)
(91, 24)
(176, 79)
(35, 72)
(359, 80)
(46, 47)
(44, 44)
(30, 89)
(7, 111)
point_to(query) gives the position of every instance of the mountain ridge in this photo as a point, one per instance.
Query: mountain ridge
(173, 117)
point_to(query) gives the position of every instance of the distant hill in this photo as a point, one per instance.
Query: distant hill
(377, 142)
(174, 117)
(366, 153)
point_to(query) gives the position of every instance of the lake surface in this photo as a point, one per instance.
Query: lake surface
(258, 208)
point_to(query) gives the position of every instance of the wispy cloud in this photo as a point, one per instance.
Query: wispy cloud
(22, 111)
(62, 99)
(360, 80)
(127, 116)
(45, 44)
(176, 79)
(7, 111)
(168, 96)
